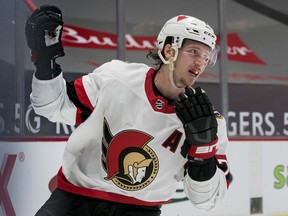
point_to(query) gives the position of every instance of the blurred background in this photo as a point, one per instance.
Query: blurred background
(248, 86)
(256, 68)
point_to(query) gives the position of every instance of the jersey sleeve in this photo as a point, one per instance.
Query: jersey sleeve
(67, 102)
(206, 195)
(83, 93)
(49, 99)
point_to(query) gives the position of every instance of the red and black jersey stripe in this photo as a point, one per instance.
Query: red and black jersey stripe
(77, 94)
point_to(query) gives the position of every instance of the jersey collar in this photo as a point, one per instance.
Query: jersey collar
(157, 101)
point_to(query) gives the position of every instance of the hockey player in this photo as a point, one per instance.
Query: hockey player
(142, 130)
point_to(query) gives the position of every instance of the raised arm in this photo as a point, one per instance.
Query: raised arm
(53, 97)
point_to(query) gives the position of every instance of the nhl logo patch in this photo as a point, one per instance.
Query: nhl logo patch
(159, 104)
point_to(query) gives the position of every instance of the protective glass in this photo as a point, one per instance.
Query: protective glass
(211, 57)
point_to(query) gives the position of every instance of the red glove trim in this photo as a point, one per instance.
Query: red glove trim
(204, 151)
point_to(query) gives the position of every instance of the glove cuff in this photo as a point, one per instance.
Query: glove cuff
(202, 170)
(204, 151)
(46, 69)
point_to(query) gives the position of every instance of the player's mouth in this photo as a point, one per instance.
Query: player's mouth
(194, 72)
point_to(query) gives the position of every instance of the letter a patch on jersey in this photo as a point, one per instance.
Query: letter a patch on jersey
(127, 159)
(173, 141)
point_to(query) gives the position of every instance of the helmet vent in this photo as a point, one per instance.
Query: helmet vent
(193, 31)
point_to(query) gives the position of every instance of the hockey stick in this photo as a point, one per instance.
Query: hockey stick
(30, 4)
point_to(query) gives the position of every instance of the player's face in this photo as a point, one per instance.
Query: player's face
(193, 57)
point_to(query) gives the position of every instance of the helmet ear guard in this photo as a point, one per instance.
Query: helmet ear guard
(170, 61)
(174, 45)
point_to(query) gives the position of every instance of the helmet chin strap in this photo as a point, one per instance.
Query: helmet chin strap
(170, 62)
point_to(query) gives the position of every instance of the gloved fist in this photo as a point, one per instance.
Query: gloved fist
(197, 115)
(43, 32)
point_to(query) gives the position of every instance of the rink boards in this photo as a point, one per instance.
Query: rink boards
(259, 186)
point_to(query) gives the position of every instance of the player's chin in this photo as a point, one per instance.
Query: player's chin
(190, 82)
(187, 84)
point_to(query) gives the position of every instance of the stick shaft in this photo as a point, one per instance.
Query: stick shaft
(30, 5)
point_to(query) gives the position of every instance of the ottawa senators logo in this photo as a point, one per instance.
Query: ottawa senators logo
(129, 163)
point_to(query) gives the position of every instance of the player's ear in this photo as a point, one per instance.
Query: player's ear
(168, 51)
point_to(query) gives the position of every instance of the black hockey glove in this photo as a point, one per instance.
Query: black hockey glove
(197, 115)
(43, 32)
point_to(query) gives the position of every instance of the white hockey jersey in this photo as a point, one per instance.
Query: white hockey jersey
(128, 149)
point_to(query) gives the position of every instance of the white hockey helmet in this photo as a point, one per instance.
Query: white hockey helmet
(186, 27)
